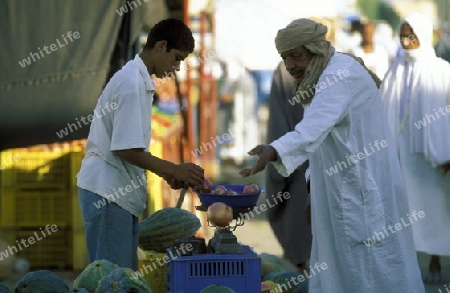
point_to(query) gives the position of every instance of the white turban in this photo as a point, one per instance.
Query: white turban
(311, 35)
(300, 32)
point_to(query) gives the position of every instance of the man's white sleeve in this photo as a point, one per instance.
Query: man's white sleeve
(127, 132)
(329, 107)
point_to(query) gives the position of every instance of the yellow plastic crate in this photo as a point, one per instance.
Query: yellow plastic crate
(64, 249)
(50, 252)
(75, 164)
(39, 188)
(153, 268)
(77, 217)
(35, 169)
(79, 254)
(154, 182)
(23, 208)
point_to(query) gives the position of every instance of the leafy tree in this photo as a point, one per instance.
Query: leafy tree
(379, 10)
(388, 14)
(369, 8)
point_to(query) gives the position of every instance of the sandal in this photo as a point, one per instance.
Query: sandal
(433, 278)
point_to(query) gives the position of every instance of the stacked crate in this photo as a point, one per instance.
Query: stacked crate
(38, 188)
(240, 272)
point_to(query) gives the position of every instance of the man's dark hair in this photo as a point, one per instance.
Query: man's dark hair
(356, 25)
(175, 32)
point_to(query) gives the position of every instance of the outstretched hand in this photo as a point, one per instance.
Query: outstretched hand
(266, 153)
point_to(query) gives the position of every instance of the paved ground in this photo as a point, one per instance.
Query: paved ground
(257, 234)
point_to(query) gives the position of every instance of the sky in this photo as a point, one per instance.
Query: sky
(246, 29)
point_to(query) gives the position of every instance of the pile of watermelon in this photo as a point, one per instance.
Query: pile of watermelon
(277, 276)
(101, 276)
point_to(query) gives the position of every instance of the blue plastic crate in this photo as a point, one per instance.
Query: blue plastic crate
(191, 274)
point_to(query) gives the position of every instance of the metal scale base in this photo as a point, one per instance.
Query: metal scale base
(224, 241)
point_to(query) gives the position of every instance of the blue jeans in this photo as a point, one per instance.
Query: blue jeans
(111, 232)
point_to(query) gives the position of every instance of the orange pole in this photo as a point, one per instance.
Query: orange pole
(190, 131)
(190, 134)
(203, 120)
(208, 92)
(213, 94)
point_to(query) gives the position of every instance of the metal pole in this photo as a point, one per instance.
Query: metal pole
(190, 134)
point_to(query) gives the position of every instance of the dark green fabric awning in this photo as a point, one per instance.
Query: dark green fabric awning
(55, 56)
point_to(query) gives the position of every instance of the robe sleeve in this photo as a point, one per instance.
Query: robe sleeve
(329, 106)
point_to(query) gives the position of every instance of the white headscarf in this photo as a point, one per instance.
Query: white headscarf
(423, 28)
(419, 82)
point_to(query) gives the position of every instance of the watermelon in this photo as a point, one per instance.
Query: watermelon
(42, 281)
(4, 289)
(123, 280)
(93, 273)
(217, 289)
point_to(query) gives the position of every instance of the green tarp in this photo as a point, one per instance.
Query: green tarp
(55, 56)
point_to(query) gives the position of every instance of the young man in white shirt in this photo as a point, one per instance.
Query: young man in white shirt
(111, 182)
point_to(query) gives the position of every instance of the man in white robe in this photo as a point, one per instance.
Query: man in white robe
(360, 218)
(416, 97)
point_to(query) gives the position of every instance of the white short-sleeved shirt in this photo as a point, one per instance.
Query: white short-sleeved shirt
(121, 120)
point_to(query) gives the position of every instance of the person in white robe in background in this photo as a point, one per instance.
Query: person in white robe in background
(416, 97)
(288, 223)
(357, 190)
(375, 57)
